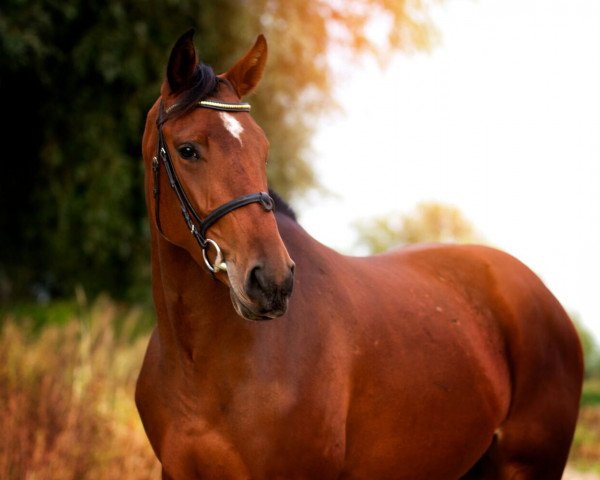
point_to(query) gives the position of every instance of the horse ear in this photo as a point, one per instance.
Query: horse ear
(247, 72)
(182, 62)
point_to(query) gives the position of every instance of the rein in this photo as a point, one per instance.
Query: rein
(196, 225)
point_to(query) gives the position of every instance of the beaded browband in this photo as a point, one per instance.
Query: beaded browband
(218, 105)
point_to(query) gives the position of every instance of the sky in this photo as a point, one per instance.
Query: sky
(501, 119)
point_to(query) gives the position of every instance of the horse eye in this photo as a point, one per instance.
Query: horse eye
(189, 153)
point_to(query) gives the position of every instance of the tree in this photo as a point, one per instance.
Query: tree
(76, 79)
(428, 222)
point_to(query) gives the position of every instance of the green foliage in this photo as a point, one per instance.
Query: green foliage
(76, 81)
(36, 316)
(428, 222)
(591, 351)
(591, 392)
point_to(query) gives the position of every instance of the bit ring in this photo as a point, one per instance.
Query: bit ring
(219, 264)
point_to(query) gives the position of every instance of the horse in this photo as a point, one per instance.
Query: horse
(275, 357)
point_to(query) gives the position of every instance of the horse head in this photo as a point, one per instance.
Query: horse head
(210, 198)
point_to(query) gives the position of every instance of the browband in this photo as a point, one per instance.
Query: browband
(225, 106)
(218, 105)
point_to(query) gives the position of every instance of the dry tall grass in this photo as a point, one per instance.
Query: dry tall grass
(66, 399)
(585, 452)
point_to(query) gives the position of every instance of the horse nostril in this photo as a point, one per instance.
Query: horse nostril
(256, 280)
(260, 284)
(288, 283)
(269, 290)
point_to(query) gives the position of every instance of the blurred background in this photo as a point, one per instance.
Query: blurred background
(391, 122)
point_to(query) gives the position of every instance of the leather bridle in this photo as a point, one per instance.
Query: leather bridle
(196, 225)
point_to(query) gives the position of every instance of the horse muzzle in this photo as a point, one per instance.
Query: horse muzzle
(266, 295)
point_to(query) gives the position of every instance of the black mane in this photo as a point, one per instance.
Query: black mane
(282, 206)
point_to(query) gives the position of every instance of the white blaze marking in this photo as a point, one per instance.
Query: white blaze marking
(232, 125)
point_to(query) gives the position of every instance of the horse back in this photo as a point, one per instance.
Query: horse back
(477, 289)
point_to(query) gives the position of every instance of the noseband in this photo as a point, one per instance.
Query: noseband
(194, 222)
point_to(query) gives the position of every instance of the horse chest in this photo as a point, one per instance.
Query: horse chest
(258, 433)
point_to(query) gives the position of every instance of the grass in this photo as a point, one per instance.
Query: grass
(67, 379)
(591, 392)
(585, 451)
(66, 402)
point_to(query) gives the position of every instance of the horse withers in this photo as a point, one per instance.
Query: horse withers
(430, 362)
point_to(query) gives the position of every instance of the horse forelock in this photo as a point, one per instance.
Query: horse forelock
(203, 84)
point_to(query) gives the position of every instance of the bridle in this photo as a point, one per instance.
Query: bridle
(194, 222)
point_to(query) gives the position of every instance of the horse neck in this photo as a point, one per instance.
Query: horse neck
(192, 308)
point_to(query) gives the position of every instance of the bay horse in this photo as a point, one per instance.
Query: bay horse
(428, 362)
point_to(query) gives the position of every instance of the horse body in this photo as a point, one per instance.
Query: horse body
(423, 360)
(431, 362)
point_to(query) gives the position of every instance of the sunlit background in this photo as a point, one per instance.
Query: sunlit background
(501, 119)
